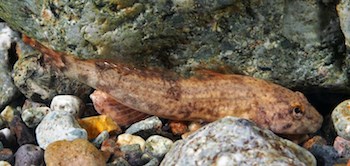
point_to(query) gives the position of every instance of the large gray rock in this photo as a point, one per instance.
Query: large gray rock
(7, 88)
(234, 141)
(298, 43)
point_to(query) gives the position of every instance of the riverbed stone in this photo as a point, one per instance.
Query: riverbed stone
(29, 154)
(8, 90)
(234, 141)
(68, 103)
(294, 43)
(158, 146)
(58, 125)
(24, 135)
(94, 125)
(33, 116)
(77, 152)
(145, 128)
(340, 118)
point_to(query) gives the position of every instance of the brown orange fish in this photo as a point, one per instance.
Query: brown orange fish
(206, 98)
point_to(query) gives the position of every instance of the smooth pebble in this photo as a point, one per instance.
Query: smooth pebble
(29, 154)
(158, 146)
(341, 119)
(94, 125)
(77, 152)
(128, 139)
(145, 128)
(58, 125)
(68, 103)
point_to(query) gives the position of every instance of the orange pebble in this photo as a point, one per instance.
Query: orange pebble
(178, 127)
(94, 125)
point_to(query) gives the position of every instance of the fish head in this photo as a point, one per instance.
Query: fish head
(293, 114)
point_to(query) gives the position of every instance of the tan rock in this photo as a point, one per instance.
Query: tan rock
(72, 153)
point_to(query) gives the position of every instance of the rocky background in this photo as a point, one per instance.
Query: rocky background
(300, 44)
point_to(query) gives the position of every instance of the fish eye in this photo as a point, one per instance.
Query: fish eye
(297, 112)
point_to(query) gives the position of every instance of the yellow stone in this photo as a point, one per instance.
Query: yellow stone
(94, 125)
(71, 153)
(8, 114)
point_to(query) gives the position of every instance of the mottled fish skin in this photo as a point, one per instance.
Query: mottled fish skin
(207, 98)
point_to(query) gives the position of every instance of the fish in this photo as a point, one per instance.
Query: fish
(206, 97)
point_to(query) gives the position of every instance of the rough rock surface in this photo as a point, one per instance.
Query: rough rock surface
(340, 118)
(234, 141)
(298, 44)
(8, 89)
(41, 82)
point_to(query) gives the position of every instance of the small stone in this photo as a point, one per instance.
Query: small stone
(104, 135)
(238, 142)
(178, 127)
(68, 103)
(134, 154)
(118, 161)
(6, 154)
(342, 146)
(58, 125)
(4, 163)
(23, 134)
(105, 104)
(31, 104)
(29, 154)
(325, 155)
(77, 152)
(158, 146)
(8, 114)
(153, 162)
(192, 127)
(128, 139)
(8, 138)
(341, 119)
(314, 140)
(145, 128)
(33, 116)
(96, 124)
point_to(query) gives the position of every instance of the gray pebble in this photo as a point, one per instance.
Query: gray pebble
(146, 127)
(33, 116)
(104, 135)
(158, 146)
(58, 125)
(28, 155)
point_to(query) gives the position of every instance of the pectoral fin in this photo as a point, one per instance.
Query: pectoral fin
(121, 114)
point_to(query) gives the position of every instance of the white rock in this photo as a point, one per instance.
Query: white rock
(68, 103)
(128, 139)
(158, 146)
(58, 125)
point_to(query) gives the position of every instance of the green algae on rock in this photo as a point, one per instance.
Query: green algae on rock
(263, 39)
